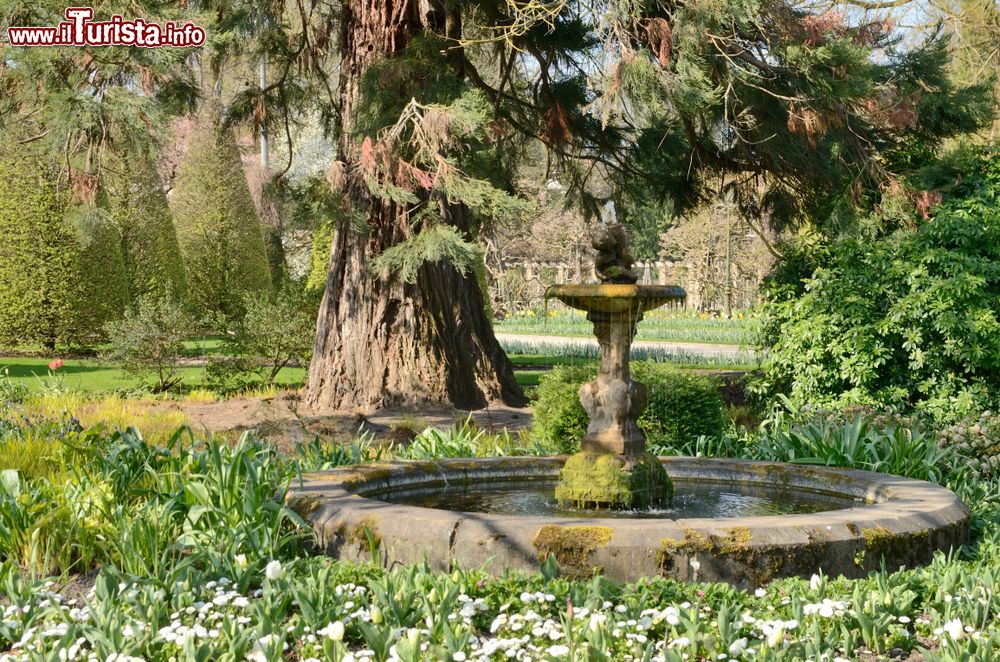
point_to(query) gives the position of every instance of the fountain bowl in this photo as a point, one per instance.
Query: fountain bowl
(889, 519)
(615, 298)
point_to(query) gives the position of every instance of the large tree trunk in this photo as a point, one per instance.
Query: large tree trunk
(381, 342)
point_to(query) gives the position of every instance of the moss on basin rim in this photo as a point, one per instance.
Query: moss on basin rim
(614, 481)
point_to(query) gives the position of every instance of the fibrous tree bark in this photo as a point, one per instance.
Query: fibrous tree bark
(382, 341)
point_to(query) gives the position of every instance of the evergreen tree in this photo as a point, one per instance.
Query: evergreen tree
(217, 226)
(102, 274)
(975, 40)
(61, 274)
(152, 256)
(64, 111)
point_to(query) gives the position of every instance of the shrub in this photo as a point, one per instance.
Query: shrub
(149, 340)
(217, 226)
(559, 419)
(681, 406)
(977, 438)
(104, 292)
(150, 250)
(275, 332)
(319, 256)
(910, 320)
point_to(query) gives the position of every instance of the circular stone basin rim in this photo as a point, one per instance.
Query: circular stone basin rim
(904, 520)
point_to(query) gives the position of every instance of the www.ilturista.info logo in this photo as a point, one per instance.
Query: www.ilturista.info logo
(79, 30)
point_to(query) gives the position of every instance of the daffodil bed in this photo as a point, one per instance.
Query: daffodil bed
(192, 558)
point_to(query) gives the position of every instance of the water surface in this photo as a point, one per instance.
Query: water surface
(691, 499)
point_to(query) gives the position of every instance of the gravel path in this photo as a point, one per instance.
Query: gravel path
(694, 349)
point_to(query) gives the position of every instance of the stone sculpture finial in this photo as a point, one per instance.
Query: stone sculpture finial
(614, 261)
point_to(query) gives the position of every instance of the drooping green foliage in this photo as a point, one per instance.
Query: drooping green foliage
(435, 244)
(61, 273)
(804, 117)
(151, 252)
(910, 320)
(217, 227)
(88, 102)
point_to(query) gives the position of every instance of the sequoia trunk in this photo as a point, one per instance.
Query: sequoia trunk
(381, 342)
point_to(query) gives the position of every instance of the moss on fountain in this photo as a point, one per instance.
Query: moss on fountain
(591, 479)
(572, 546)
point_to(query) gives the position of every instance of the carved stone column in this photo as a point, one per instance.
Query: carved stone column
(614, 401)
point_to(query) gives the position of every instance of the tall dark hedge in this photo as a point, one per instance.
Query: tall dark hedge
(150, 250)
(61, 271)
(217, 226)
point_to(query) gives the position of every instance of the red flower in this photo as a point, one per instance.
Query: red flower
(55, 364)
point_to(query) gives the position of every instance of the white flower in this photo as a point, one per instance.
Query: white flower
(680, 642)
(241, 561)
(273, 570)
(458, 657)
(760, 593)
(558, 650)
(954, 629)
(737, 647)
(815, 582)
(775, 633)
(335, 631)
(903, 619)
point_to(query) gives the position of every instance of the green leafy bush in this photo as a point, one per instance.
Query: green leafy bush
(559, 419)
(909, 320)
(274, 332)
(149, 341)
(681, 406)
(978, 439)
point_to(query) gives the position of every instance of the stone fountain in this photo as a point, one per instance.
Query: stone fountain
(613, 469)
(608, 508)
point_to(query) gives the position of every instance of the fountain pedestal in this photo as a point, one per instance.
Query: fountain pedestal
(613, 401)
(613, 469)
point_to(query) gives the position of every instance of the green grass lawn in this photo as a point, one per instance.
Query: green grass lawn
(667, 325)
(89, 375)
(528, 368)
(93, 376)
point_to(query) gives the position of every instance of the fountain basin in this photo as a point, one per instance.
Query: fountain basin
(615, 298)
(900, 520)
